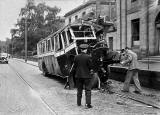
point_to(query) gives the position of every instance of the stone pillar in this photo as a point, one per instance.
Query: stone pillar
(144, 29)
(119, 29)
(124, 23)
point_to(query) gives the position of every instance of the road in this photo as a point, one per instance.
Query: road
(16, 97)
(25, 91)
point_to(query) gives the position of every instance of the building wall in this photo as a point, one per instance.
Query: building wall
(102, 9)
(115, 40)
(135, 10)
(79, 13)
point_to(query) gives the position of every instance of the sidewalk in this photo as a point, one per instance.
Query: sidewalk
(143, 66)
(28, 62)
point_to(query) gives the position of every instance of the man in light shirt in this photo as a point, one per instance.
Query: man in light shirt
(132, 73)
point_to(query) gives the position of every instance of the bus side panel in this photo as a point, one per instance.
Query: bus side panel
(50, 67)
(55, 66)
(70, 58)
(40, 63)
(46, 60)
(62, 61)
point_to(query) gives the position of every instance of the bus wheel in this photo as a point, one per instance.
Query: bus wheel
(44, 69)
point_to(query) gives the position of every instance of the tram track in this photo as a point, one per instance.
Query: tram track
(144, 98)
(41, 99)
(140, 98)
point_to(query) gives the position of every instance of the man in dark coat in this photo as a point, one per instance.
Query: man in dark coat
(83, 75)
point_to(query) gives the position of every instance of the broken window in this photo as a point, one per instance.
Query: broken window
(82, 31)
(69, 36)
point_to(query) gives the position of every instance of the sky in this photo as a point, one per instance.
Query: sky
(10, 9)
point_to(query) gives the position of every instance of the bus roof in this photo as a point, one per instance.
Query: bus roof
(96, 27)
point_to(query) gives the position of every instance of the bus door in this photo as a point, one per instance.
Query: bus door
(60, 54)
(70, 50)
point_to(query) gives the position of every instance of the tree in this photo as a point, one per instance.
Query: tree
(42, 20)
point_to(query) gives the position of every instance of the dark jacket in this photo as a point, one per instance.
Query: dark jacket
(82, 65)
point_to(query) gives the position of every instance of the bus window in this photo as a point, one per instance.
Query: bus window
(64, 38)
(49, 45)
(43, 47)
(39, 48)
(52, 39)
(69, 36)
(58, 43)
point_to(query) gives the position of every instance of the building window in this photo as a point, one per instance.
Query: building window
(133, 0)
(135, 30)
(76, 17)
(69, 20)
(158, 2)
(111, 43)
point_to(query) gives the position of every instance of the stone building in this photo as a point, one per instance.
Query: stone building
(138, 26)
(92, 10)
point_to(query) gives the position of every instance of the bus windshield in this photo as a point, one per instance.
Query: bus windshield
(83, 32)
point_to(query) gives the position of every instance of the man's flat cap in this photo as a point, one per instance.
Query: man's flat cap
(83, 46)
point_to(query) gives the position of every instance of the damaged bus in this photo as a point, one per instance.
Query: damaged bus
(56, 52)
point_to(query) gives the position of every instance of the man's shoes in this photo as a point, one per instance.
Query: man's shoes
(137, 92)
(110, 92)
(88, 106)
(125, 91)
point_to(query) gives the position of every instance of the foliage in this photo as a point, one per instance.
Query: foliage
(42, 20)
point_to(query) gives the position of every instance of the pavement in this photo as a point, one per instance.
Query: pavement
(143, 66)
(28, 62)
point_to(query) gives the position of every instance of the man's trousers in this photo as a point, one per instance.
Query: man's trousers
(132, 74)
(83, 83)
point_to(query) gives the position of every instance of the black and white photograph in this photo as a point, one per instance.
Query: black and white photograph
(79, 57)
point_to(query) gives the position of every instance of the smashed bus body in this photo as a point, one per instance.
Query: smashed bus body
(56, 52)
